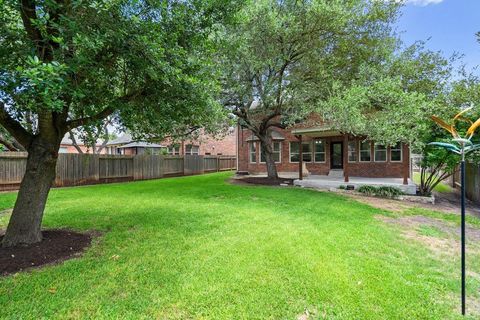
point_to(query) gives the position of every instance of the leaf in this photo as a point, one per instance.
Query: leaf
(465, 119)
(448, 146)
(460, 114)
(445, 126)
(473, 127)
(472, 148)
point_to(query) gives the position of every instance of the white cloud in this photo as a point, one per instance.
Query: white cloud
(423, 3)
(420, 3)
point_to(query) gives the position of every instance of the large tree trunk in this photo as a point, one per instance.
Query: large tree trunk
(267, 150)
(26, 220)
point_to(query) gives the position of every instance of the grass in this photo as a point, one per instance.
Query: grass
(200, 248)
(441, 187)
(431, 231)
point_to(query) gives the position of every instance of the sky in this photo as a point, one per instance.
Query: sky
(449, 24)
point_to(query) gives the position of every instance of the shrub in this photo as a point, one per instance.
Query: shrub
(383, 191)
(388, 192)
(342, 187)
(368, 190)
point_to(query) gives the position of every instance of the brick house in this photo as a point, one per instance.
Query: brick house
(201, 145)
(324, 152)
(67, 146)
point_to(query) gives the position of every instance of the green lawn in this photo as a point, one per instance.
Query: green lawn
(200, 248)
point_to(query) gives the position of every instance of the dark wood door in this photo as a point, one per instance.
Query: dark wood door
(336, 155)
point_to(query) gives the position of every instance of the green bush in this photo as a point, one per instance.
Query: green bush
(388, 192)
(383, 191)
(367, 190)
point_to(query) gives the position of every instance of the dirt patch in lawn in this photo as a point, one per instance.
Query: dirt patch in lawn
(264, 181)
(438, 235)
(56, 246)
(443, 203)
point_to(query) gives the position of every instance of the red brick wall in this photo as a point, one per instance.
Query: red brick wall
(355, 169)
(225, 145)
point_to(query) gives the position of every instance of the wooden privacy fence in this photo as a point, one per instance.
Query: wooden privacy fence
(81, 169)
(472, 182)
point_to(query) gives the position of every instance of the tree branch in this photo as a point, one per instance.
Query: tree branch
(72, 124)
(74, 142)
(29, 15)
(14, 127)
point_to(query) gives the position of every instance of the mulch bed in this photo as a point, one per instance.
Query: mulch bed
(267, 181)
(56, 246)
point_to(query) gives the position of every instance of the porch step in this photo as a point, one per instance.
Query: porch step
(336, 173)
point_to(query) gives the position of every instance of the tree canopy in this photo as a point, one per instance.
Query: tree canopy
(148, 65)
(282, 57)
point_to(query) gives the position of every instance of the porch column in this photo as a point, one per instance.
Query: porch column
(300, 160)
(406, 162)
(345, 157)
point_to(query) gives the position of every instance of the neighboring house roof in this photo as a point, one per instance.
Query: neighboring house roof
(275, 136)
(67, 141)
(141, 144)
(123, 139)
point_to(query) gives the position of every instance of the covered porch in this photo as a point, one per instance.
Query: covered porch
(344, 164)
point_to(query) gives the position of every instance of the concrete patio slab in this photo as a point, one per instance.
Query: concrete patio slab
(326, 182)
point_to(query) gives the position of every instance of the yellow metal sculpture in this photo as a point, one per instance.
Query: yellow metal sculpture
(466, 146)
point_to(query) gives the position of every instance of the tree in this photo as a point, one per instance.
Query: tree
(282, 56)
(91, 135)
(69, 64)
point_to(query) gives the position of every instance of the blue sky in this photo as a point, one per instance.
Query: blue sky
(450, 24)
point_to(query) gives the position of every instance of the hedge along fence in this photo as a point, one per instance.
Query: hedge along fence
(83, 169)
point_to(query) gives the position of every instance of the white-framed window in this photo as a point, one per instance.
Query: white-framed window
(295, 151)
(277, 152)
(319, 148)
(190, 149)
(352, 151)
(253, 152)
(380, 153)
(365, 151)
(174, 150)
(396, 153)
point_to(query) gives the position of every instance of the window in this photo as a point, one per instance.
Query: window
(174, 150)
(352, 151)
(277, 152)
(191, 149)
(365, 151)
(380, 153)
(319, 150)
(253, 152)
(295, 152)
(396, 153)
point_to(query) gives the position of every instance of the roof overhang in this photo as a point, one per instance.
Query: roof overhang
(276, 136)
(141, 145)
(317, 132)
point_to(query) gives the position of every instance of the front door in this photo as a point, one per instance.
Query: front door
(336, 155)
